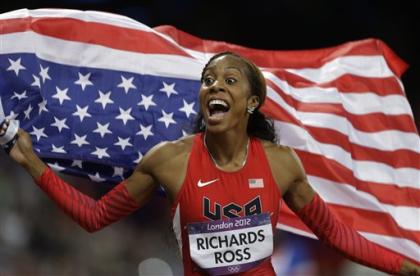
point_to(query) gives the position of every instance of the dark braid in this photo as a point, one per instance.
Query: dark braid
(258, 125)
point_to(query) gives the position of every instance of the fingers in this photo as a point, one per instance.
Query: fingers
(4, 127)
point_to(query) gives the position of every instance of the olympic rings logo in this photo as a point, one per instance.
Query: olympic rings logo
(234, 268)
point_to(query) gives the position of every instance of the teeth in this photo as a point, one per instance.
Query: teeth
(214, 102)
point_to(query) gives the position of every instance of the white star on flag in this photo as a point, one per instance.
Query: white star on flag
(123, 143)
(167, 118)
(79, 140)
(60, 124)
(104, 99)
(102, 129)
(38, 132)
(146, 131)
(83, 80)
(61, 95)
(168, 89)
(139, 158)
(44, 73)
(147, 101)
(118, 171)
(42, 106)
(77, 163)
(101, 152)
(19, 96)
(56, 167)
(81, 112)
(28, 111)
(58, 149)
(36, 81)
(15, 66)
(188, 108)
(96, 177)
(127, 84)
(125, 115)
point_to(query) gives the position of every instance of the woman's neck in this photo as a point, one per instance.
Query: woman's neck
(229, 151)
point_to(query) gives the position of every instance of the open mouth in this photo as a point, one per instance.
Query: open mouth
(217, 108)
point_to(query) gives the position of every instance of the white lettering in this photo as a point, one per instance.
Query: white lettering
(221, 226)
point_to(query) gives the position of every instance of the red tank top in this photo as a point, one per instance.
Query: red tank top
(213, 196)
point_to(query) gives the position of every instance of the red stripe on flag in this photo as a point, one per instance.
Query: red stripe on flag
(357, 84)
(289, 59)
(386, 193)
(372, 122)
(109, 35)
(389, 193)
(93, 33)
(346, 83)
(134, 40)
(360, 219)
(397, 159)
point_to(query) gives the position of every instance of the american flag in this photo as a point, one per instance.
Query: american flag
(96, 91)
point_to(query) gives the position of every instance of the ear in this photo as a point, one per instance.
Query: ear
(253, 101)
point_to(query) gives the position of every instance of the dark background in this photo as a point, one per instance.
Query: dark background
(276, 25)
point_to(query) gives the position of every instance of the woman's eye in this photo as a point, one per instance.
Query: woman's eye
(230, 81)
(208, 81)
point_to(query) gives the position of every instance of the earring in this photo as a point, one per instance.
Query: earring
(250, 109)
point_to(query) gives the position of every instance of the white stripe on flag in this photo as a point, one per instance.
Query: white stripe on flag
(87, 16)
(403, 246)
(347, 195)
(384, 140)
(355, 103)
(96, 56)
(299, 138)
(366, 66)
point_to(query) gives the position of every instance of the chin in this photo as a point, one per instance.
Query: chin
(219, 128)
(229, 123)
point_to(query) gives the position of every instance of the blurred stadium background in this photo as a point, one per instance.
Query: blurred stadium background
(36, 238)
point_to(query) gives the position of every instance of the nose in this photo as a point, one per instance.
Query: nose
(217, 86)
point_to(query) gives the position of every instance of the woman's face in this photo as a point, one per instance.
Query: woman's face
(225, 95)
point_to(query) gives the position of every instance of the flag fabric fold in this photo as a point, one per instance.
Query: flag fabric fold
(96, 91)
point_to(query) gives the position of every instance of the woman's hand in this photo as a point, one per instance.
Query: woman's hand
(409, 269)
(23, 147)
(22, 152)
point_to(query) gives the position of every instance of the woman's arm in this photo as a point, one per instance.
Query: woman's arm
(348, 241)
(91, 214)
(313, 211)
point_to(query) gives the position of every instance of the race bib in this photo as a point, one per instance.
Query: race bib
(231, 246)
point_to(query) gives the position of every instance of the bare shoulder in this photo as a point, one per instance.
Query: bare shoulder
(167, 153)
(285, 165)
(279, 153)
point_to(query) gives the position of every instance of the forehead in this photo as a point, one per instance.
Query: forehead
(227, 62)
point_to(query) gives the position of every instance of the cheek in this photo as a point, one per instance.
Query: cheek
(241, 98)
(201, 98)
